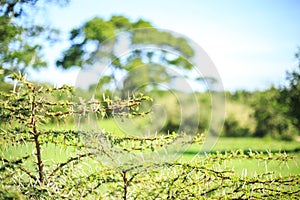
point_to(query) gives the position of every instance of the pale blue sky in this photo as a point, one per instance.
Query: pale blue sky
(251, 42)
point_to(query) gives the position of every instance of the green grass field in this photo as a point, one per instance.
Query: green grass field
(251, 167)
(54, 154)
(241, 166)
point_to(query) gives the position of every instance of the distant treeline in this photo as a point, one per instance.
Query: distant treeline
(268, 113)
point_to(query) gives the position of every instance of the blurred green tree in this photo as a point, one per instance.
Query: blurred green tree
(271, 114)
(97, 40)
(21, 39)
(291, 93)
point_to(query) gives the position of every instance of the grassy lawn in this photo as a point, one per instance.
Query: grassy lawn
(53, 154)
(250, 167)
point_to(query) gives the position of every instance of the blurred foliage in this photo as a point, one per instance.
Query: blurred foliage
(273, 112)
(97, 39)
(182, 113)
(101, 33)
(21, 39)
(270, 113)
(291, 93)
(258, 113)
(160, 38)
(275, 109)
(144, 76)
(232, 128)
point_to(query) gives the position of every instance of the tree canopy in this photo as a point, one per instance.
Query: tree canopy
(291, 93)
(98, 39)
(20, 36)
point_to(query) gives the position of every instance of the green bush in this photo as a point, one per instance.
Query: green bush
(232, 128)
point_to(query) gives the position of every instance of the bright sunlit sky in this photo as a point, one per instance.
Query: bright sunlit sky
(251, 42)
